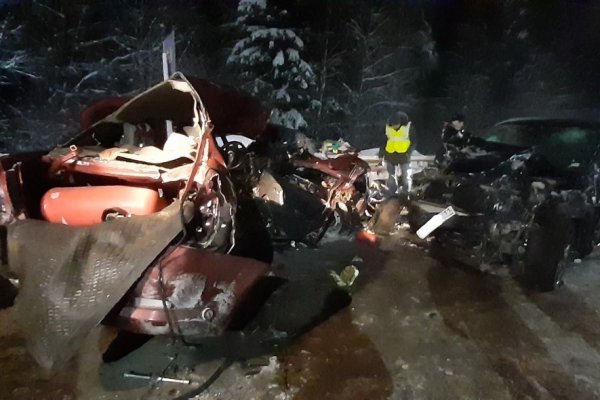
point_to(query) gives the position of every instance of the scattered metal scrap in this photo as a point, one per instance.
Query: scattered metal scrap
(155, 378)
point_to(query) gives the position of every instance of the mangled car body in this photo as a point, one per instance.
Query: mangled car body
(135, 228)
(303, 193)
(524, 195)
(339, 185)
(157, 232)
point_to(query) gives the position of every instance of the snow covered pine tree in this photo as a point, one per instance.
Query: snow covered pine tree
(268, 60)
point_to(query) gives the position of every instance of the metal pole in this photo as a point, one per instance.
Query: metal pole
(169, 67)
(153, 378)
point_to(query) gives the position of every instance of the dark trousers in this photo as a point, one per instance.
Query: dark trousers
(393, 171)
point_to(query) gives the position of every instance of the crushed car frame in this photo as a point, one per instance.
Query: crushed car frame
(126, 226)
(161, 233)
(525, 195)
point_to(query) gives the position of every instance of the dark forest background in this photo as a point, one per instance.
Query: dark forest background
(341, 66)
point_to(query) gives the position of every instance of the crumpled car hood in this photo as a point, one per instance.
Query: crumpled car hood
(230, 110)
(481, 156)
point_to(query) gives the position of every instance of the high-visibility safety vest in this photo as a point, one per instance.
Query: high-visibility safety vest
(398, 139)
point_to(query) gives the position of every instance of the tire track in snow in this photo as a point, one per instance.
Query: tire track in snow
(575, 356)
(571, 313)
(475, 306)
(426, 359)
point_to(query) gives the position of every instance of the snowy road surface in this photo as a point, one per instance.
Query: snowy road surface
(416, 329)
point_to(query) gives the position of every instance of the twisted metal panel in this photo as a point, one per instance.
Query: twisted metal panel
(72, 277)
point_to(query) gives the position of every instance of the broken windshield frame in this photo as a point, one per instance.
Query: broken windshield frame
(562, 144)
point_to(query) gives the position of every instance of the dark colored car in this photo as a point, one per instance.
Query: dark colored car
(525, 195)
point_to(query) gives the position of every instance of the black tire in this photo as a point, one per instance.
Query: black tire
(548, 248)
(583, 241)
(416, 218)
(313, 238)
(583, 244)
(7, 293)
(252, 238)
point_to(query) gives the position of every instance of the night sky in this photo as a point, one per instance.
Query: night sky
(493, 59)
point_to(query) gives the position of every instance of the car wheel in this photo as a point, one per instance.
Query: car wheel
(340, 221)
(548, 249)
(314, 237)
(586, 228)
(252, 238)
(7, 293)
(583, 243)
(416, 218)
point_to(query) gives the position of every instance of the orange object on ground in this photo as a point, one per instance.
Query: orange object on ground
(83, 206)
(366, 236)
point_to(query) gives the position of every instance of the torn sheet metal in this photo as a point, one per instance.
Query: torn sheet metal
(269, 189)
(72, 277)
(302, 196)
(205, 292)
(230, 110)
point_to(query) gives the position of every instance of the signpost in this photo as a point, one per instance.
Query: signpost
(168, 55)
(169, 67)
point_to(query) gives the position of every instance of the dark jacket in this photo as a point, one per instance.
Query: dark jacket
(455, 137)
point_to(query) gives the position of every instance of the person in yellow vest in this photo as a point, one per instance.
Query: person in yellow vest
(400, 135)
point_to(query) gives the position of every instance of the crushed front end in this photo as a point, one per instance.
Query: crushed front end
(132, 226)
(510, 203)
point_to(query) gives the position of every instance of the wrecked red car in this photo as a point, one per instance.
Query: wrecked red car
(143, 222)
(135, 227)
(302, 194)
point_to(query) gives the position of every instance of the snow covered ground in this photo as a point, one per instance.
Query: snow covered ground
(416, 329)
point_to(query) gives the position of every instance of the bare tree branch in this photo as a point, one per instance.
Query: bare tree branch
(384, 103)
(384, 76)
(115, 39)
(52, 10)
(85, 78)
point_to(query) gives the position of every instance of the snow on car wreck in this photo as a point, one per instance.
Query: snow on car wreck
(301, 193)
(525, 195)
(128, 226)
